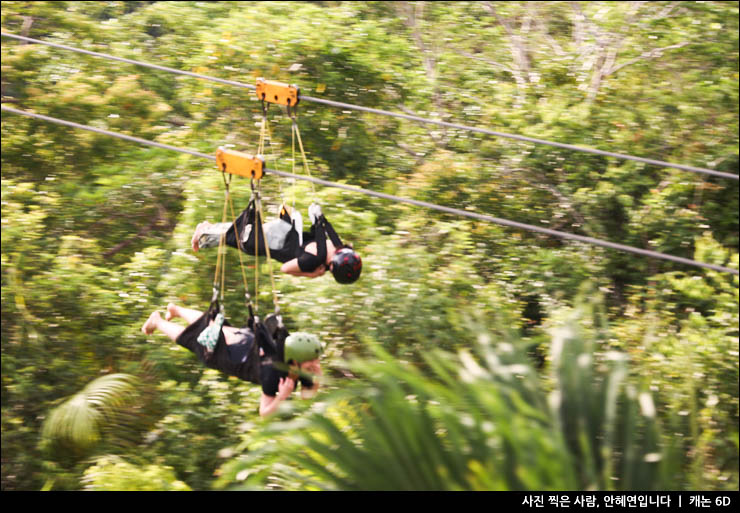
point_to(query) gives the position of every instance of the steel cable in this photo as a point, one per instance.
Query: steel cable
(409, 117)
(441, 208)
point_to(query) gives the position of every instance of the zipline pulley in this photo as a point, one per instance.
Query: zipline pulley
(239, 163)
(277, 92)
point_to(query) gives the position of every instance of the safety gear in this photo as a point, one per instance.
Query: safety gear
(314, 212)
(294, 217)
(272, 322)
(208, 338)
(346, 265)
(302, 347)
(298, 223)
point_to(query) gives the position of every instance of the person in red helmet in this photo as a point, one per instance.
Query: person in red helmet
(307, 254)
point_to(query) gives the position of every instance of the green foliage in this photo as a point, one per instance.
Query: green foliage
(481, 420)
(111, 473)
(609, 425)
(96, 235)
(683, 331)
(198, 421)
(75, 427)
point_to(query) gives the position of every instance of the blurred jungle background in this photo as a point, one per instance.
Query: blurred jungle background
(468, 356)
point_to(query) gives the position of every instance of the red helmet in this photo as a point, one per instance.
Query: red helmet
(346, 265)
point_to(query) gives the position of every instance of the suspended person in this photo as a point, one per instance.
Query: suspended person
(262, 353)
(307, 254)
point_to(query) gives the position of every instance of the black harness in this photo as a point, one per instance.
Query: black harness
(291, 248)
(268, 335)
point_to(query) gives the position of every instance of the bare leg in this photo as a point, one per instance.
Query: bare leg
(155, 322)
(188, 314)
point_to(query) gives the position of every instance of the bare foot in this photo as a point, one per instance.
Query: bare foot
(171, 312)
(151, 323)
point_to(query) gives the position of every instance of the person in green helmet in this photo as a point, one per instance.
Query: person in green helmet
(301, 352)
(263, 353)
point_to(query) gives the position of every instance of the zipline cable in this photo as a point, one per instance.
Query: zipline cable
(409, 117)
(514, 224)
(441, 208)
(522, 138)
(107, 132)
(129, 61)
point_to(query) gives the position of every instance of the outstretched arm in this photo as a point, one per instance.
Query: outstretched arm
(308, 264)
(292, 267)
(269, 404)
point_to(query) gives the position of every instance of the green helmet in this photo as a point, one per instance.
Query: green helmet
(302, 347)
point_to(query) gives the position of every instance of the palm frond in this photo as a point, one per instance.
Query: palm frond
(481, 419)
(77, 423)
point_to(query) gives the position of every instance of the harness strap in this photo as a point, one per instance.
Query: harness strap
(259, 218)
(257, 228)
(247, 297)
(297, 132)
(218, 279)
(220, 275)
(331, 233)
(266, 135)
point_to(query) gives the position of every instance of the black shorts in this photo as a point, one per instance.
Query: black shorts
(241, 361)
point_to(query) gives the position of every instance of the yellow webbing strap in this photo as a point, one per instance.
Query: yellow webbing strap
(219, 277)
(219, 280)
(258, 226)
(292, 157)
(297, 134)
(247, 297)
(269, 260)
(264, 132)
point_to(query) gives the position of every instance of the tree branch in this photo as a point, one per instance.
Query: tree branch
(656, 52)
(161, 216)
(535, 15)
(518, 50)
(566, 203)
(26, 27)
(590, 26)
(608, 45)
(495, 64)
(412, 13)
(437, 140)
(420, 159)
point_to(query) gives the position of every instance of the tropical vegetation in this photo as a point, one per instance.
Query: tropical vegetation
(469, 356)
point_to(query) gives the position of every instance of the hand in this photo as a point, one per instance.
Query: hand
(314, 212)
(285, 387)
(313, 366)
(320, 270)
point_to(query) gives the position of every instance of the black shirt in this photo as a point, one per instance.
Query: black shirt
(238, 359)
(269, 375)
(307, 262)
(270, 378)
